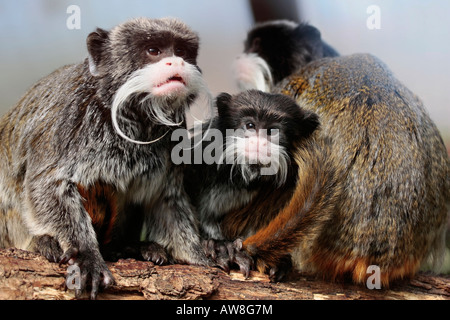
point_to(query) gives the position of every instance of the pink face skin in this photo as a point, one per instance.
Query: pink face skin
(168, 83)
(257, 148)
(171, 78)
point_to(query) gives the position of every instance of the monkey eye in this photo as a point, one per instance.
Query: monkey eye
(180, 52)
(154, 51)
(250, 126)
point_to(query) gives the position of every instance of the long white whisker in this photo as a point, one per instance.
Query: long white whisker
(140, 82)
(277, 165)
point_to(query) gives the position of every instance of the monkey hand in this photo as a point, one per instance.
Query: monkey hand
(276, 268)
(151, 251)
(48, 247)
(279, 271)
(225, 254)
(147, 250)
(92, 267)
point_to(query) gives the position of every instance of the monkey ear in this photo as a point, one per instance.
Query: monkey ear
(309, 123)
(96, 42)
(255, 46)
(223, 100)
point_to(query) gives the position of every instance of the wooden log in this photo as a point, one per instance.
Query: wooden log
(29, 276)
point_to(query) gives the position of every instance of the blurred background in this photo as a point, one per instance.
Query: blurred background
(411, 36)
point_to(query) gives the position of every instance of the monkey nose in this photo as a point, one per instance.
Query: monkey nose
(175, 62)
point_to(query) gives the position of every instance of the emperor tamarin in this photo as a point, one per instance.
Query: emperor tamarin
(91, 142)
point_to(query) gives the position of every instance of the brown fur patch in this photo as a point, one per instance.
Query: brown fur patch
(100, 202)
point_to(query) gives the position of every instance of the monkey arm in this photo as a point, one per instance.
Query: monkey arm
(55, 208)
(310, 206)
(171, 221)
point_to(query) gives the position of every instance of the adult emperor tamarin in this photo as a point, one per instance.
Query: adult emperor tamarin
(86, 151)
(374, 188)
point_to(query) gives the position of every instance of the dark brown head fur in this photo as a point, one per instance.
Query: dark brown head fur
(115, 54)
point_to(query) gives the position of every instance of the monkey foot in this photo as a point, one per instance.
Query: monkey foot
(227, 254)
(276, 266)
(278, 272)
(151, 251)
(92, 268)
(48, 247)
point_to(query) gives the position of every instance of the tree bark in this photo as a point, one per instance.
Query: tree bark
(26, 275)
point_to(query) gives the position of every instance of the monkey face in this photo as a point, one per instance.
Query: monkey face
(172, 78)
(138, 43)
(149, 69)
(169, 47)
(260, 131)
(166, 48)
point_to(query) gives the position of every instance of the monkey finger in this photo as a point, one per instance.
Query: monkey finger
(245, 263)
(275, 274)
(108, 279)
(49, 247)
(209, 247)
(82, 285)
(221, 248)
(95, 286)
(278, 273)
(56, 252)
(238, 244)
(158, 259)
(223, 263)
(78, 293)
(69, 255)
(100, 280)
(230, 250)
(155, 253)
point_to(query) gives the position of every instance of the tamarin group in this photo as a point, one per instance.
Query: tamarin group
(336, 167)
(373, 183)
(86, 153)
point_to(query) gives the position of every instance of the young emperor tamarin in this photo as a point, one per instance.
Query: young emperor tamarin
(373, 187)
(86, 152)
(253, 138)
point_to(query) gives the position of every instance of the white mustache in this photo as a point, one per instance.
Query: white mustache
(234, 154)
(166, 110)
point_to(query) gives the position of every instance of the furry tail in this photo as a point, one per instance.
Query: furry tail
(306, 211)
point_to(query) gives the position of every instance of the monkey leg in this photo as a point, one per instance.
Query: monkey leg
(48, 247)
(55, 208)
(125, 241)
(171, 223)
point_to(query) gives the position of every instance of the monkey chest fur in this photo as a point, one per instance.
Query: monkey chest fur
(109, 197)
